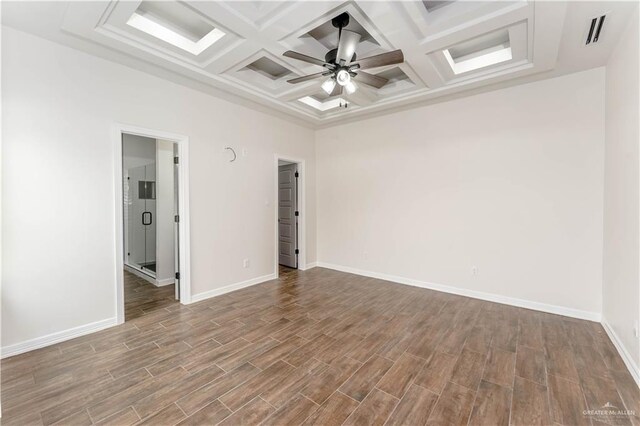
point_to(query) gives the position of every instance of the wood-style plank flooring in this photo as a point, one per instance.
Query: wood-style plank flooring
(142, 297)
(327, 348)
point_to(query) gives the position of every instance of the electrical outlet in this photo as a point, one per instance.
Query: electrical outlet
(474, 270)
(245, 263)
(636, 331)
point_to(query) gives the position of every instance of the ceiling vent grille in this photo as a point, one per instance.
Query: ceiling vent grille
(595, 30)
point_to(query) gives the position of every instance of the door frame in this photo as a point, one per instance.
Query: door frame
(182, 143)
(302, 228)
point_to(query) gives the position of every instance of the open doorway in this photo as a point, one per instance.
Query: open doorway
(149, 176)
(152, 221)
(289, 215)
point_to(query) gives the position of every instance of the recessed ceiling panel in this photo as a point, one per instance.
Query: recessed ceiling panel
(480, 52)
(327, 34)
(480, 44)
(175, 23)
(177, 16)
(484, 53)
(394, 75)
(432, 5)
(325, 105)
(268, 68)
(448, 46)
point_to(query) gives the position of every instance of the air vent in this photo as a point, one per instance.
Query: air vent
(594, 31)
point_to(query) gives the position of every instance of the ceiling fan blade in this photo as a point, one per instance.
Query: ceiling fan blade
(306, 78)
(370, 79)
(303, 57)
(389, 58)
(347, 46)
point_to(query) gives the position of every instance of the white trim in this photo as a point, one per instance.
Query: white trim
(233, 287)
(622, 350)
(166, 281)
(57, 337)
(537, 306)
(302, 208)
(310, 266)
(140, 273)
(183, 206)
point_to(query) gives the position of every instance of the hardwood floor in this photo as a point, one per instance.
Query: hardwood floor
(142, 297)
(328, 348)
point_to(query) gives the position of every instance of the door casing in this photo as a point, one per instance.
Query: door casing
(182, 143)
(289, 220)
(302, 232)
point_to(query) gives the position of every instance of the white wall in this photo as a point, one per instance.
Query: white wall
(58, 109)
(621, 293)
(510, 182)
(165, 254)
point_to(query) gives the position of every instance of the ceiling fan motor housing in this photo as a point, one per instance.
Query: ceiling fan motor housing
(330, 57)
(341, 20)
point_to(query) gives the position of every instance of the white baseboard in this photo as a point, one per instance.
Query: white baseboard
(521, 303)
(622, 350)
(140, 274)
(229, 288)
(57, 337)
(310, 266)
(166, 281)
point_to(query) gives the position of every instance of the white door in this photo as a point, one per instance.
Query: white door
(288, 215)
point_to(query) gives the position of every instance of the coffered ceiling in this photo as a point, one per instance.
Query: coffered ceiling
(450, 47)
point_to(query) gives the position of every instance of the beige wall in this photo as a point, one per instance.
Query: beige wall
(58, 108)
(621, 292)
(499, 195)
(509, 182)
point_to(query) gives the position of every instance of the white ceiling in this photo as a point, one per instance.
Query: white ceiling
(246, 65)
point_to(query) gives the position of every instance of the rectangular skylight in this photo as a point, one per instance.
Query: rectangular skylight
(479, 52)
(484, 59)
(322, 106)
(146, 23)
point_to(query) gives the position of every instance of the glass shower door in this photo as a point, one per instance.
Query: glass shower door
(141, 209)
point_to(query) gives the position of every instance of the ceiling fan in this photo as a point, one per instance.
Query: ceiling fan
(342, 65)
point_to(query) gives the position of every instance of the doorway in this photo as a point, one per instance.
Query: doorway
(152, 221)
(139, 167)
(289, 215)
(150, 259)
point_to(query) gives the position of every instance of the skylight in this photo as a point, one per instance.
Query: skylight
(483, 51)
(176, 24)
(322, 106)
(477, 62)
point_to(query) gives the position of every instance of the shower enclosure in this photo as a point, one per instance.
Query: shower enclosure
(140, 209)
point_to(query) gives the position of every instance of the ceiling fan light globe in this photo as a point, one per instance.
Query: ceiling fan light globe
(328, 86)
(350, 87)
(343, 77)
